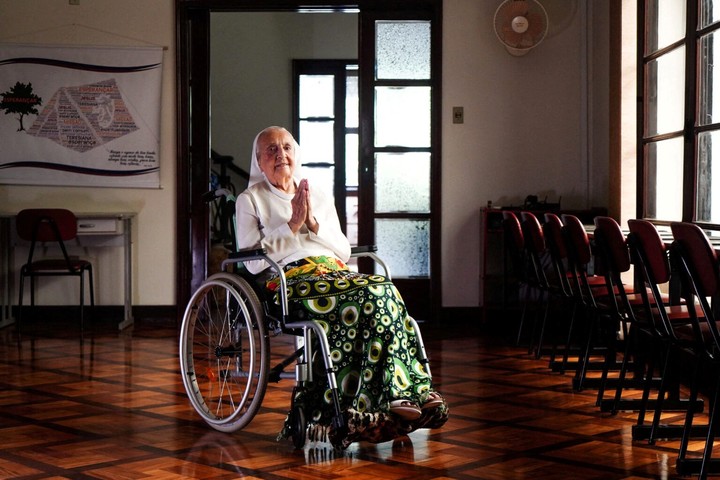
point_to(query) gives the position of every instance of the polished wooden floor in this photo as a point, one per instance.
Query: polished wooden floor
(113, 407)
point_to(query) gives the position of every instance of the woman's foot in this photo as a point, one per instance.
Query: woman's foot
(405, 409)
(434, 400)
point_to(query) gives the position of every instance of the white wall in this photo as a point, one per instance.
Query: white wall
(528, 126)
(251, 69)
(531, 125)
(106, 22)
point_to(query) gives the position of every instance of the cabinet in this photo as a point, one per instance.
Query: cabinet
(492, 271)
(495, 289)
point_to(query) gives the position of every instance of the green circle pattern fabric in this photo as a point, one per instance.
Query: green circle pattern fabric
(374, 350)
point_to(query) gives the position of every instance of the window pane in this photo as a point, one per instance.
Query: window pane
(707, 14)
(316, 142)
(665, 78)
(665, 23)
(664, 179)
(322, 178)
(708, 178)
(351, 160)
(402, 182)
(402, 116)
(351, 209)
(709, 83)
(403, 50)
(405, 246)
(352, 105)
(317, 95)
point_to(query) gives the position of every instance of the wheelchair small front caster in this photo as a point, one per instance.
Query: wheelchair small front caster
(299, 427)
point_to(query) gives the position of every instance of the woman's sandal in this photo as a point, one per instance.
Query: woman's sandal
(405, 409)
(434, 400)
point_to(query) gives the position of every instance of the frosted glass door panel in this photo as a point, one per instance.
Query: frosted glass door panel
(402, 182)
(402, 116)
(403, 50)
(318, 96)
(405, 246)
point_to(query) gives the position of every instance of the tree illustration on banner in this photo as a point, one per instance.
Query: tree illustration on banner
(20, 100)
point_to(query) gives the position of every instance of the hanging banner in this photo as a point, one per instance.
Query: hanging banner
(80, 115)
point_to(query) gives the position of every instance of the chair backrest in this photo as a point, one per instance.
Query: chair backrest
(513, 232)
(645, 240)
(556, 243)
(579, 251)
(534, 238)
(700, 256)
(555, 237)
(46, 224)
(535, 247)
(514, 243)
(612, 245)
(697, 262)
(650, 257)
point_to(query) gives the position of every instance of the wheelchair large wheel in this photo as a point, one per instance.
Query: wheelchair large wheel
(224, 352)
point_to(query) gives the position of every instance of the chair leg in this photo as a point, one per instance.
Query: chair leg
(662, 389)
(568, 341)
(610, 360)
(82, 303)
(543, 325)
(584, 358)
(92, 289)
(18, 322)
(629, 338)
(710, 440)
(689, 416)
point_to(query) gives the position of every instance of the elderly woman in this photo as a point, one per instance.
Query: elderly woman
(385, 391)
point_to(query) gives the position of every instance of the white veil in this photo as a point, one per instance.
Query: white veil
(257, 175)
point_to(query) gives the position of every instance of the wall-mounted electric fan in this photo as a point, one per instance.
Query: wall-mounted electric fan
(520, 25)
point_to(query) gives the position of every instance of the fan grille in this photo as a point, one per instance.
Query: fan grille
(536, 17)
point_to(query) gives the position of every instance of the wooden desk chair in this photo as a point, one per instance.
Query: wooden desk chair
(51, 226)
(668, 326)
(536, 250)
(515, 265)
(697, 262)
(556, 242)
(588, 288)
(613, 256)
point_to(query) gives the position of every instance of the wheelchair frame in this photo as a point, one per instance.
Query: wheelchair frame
(225, 348)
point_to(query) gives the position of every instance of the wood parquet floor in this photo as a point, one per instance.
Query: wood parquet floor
(114, 407)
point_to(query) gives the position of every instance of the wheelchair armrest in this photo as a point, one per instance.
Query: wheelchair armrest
(261, 254)
(369, 251)
(360, 249)
(249, 254)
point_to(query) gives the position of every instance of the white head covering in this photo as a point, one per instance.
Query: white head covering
(256, 174)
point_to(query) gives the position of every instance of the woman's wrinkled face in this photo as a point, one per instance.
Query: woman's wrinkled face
(276, 157)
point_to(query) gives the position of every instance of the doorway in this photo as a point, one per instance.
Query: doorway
(196, 139)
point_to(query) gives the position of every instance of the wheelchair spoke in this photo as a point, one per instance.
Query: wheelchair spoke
(224, 353)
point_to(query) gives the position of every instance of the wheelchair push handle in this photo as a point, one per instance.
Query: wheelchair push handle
(212, 195)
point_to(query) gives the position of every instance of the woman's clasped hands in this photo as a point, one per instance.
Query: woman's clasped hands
(302, 209)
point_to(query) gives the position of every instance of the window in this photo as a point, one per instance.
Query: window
(326, 122)
(680, 129)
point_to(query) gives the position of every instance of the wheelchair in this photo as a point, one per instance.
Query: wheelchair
(225, 346)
